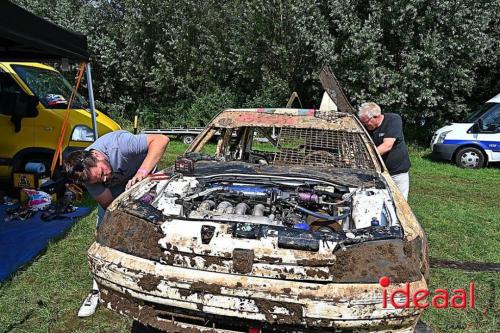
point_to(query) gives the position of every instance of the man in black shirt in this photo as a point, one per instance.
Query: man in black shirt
(386, 131)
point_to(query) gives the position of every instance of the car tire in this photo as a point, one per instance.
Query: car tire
(470, 157)
(188, 139)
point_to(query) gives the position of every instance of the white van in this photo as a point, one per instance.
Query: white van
(474, 143)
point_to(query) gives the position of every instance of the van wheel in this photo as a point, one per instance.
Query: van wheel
(470, 157)
(188, 139)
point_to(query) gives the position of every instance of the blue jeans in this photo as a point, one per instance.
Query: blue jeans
(402, 180)
(115, 192)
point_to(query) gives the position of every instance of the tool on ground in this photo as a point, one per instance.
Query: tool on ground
(74, 192)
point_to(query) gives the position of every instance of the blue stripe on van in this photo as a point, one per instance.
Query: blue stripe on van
(486, 145)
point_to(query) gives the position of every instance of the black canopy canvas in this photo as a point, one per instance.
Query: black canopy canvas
(25, 36)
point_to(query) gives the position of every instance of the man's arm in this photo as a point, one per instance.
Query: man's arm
(100, 193)
(105, 198)
(393, 131)
(386, 146)
(157, 143)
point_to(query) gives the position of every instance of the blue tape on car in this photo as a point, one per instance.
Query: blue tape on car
(302, 226)
(247, 190)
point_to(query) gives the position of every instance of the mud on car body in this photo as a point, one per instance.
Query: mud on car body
(287, 235)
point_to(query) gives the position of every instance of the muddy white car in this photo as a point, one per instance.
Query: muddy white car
(287, 234)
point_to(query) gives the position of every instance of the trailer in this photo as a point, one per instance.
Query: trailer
(186, 134)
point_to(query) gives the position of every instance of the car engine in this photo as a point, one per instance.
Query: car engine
(299, 203)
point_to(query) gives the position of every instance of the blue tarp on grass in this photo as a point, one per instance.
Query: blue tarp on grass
(21, 241)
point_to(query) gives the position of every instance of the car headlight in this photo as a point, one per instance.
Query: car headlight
(82, 133)
(442, 136)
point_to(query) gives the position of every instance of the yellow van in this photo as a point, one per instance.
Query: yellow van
(33, 102)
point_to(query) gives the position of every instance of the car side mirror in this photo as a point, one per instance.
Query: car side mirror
(24, 107)
(475, 128)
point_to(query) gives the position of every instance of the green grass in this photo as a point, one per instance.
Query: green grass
(458, 209)
(174, 149)
(46, 295)
(484, 318)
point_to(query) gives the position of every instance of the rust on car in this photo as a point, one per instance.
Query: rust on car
(255, 299)
(287, 227)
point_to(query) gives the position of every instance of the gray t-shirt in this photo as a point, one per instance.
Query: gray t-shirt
(125, 153)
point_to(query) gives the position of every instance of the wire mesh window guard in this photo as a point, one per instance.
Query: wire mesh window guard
(317, 147)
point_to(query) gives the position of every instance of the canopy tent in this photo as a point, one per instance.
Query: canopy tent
(27, 37)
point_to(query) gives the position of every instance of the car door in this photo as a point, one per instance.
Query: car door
(489, 132)
(14, 137)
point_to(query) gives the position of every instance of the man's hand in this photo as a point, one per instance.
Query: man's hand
(137, 178)
(157, 143)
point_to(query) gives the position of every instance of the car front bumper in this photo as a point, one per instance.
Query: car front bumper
(443, 151)
(182, 299)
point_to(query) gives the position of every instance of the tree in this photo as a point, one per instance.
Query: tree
(431, 62)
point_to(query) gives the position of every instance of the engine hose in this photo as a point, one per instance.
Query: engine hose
(330, 194)
(319, 215)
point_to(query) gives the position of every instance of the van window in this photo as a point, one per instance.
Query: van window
(51, 88)
(479, 113)
(490, 121)
(9, 94)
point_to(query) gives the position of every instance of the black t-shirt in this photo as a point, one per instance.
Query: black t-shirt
(397, 159)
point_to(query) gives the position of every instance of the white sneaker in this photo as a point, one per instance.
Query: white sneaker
(89, 304)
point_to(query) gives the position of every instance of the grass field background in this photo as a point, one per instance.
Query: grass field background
(459, 209)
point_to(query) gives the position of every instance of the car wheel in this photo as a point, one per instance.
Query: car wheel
(470, 157)
(187, 139)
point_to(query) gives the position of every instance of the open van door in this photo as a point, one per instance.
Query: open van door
(17, 108)
(26, 37)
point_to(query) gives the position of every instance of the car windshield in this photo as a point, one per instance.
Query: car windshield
(294, 146)
(51, 88)
(482, 110)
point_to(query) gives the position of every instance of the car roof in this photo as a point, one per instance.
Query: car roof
(288, 111)
(28, 64)
(284, 117)
(495, 99)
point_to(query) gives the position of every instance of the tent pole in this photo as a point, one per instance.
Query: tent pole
(91, 100)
